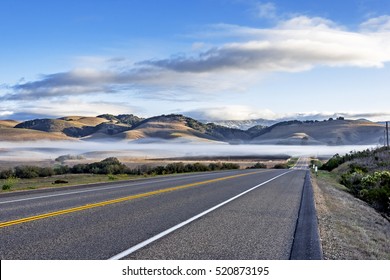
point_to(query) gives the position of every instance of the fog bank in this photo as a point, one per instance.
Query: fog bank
(33, 151)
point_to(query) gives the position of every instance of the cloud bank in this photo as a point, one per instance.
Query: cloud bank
(241, 113)
(245, 57)
(297, 44)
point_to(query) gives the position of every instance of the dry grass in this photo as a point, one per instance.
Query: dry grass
(89, 121)
(8, 123)
(343, 132)
(162, 130)
(19, 134)
(349, 228)
(73, 180)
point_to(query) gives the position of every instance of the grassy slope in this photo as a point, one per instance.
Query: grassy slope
(340, 132)
(17, 134)
(73, 180)
(164, 130)
(8, 123)
(329, 132)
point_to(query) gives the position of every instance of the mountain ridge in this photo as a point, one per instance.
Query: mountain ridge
(179, 127)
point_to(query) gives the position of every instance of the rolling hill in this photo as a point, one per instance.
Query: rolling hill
(331, 132)
(167, 127)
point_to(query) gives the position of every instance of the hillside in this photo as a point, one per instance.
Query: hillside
(16, 134)
(331, 132)
(244, 124)
(167, 127)
(365, 174)
(8, 123)
(178, 126)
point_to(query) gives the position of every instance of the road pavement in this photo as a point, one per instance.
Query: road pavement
(104, 220)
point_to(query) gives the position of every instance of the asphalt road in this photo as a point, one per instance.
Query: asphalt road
(102, 221)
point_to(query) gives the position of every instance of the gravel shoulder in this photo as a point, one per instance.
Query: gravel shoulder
(349, 228)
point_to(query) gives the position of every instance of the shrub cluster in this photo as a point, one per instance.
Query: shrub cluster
(257, 165)
(111, 166)
(27, 172)
(373, 188)
(337, 160)
(179, 167)
(9, 183)
(281, 166)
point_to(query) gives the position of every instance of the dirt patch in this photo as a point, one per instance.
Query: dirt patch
(349, 228)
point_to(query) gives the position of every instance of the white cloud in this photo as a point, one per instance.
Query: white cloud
(70, 106)
(241, 113)
(231, 112)
(377, 24)
(298, 44)
(5, 113)
(266, 10)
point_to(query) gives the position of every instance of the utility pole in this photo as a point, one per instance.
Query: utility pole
(387, 134)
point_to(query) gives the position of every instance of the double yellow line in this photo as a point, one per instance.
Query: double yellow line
(113, 201)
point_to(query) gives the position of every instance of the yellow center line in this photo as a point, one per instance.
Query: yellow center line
(117, 200)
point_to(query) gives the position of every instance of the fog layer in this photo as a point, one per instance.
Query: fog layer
(33, 151)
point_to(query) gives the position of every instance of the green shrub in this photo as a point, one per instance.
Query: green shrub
(5, 174)
(372, 188)
(112, 177)
(280, 166)
(257, 165)
(9, 183)
(60, 181)
(26, 172)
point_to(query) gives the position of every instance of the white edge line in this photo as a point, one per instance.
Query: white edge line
(164, 233)
(127, 184)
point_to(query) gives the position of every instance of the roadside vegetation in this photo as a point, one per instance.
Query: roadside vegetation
(350, 229)
(258, 165)
(366, 175)
(291, 162)
(108, 169)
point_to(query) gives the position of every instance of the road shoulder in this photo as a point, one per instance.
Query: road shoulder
(349, 228)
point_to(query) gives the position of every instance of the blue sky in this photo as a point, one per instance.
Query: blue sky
(208, 59)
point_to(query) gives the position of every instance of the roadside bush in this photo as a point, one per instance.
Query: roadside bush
(372, 188)
(109, 165)
(257, 165)
(29, 172)
(60, 181)
(5, 174)
(352, 181)
(62, 169)
(229, 165)
(215, 166)
(281, 166)
(337, 160)
(45, 172)
(26, 172)
(9, 183)
(333, 163)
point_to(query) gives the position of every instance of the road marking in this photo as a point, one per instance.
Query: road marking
(117, 200)
(168, 231)
(105, 188)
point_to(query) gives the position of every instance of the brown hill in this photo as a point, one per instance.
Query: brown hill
(8, 123)
(168, 127)
(18, 134)
(178, 126)
(88, 121)
(68, 126)
(332, 132)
